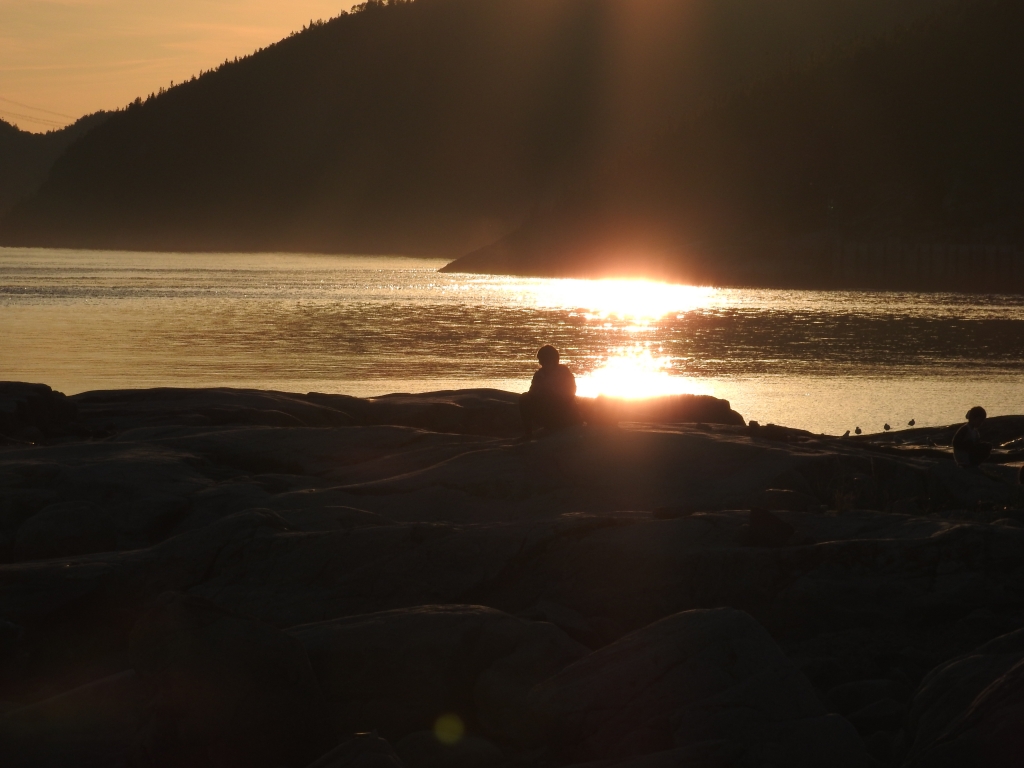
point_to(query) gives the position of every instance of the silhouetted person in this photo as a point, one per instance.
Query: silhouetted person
(968, 449)
(551, 401)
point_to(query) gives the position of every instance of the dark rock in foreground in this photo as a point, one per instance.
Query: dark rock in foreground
(33, 410)
(704, 686)
(250, 578)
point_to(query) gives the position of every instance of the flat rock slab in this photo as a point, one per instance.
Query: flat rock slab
(422, 559)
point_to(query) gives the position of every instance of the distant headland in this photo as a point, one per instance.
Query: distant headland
(849, 144)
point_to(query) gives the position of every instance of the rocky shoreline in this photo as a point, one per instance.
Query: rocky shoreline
(242, 578)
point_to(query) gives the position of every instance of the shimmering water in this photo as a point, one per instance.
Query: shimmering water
(825, 361)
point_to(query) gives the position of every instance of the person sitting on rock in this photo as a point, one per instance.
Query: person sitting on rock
(968, 449)
(551, 402)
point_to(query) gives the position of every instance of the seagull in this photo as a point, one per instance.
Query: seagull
(912, 422)
(886, 427)
(847, 433)
(858, 430)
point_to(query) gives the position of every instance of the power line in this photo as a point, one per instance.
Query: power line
(37, 109)
(31, 119)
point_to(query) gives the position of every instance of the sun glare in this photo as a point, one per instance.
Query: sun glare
(641, 302)
(634, 374)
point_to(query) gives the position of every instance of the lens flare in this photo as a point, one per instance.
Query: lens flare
(449, 729)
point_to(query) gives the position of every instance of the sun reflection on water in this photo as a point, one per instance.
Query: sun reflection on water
(636, 373)
(640, 302)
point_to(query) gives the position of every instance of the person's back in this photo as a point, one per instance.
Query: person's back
(968, 448)
(551, 401)
(555, 382)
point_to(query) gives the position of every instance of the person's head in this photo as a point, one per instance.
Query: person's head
(547, 355)
(976, 415)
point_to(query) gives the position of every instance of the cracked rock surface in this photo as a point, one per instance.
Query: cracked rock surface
(226, 577)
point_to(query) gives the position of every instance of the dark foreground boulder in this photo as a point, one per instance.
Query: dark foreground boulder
(95, 724)
(426, 750)
(81, 527)
(364, 750)
(229, 691)
(399, 671)
(706, 687)
(953, 487)
(30, 410)
(968, 712)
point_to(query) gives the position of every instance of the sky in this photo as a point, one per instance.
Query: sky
(61, 59)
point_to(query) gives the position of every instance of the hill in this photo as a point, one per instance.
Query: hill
(892, 163)
(434, 126)
(26, 158)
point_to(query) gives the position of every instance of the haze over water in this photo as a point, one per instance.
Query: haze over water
(824, 361)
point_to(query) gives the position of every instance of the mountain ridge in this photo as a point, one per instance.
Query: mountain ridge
(432, 127)
(902, 149)
(26, 157)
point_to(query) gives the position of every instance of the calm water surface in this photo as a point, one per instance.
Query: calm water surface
(825, 361)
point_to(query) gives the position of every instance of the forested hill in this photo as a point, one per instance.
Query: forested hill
(26, 158)
(433, 126)
(892, 163)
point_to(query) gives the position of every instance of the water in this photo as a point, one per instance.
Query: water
(824, 361)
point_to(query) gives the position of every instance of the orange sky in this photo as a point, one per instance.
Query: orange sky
(61, 59)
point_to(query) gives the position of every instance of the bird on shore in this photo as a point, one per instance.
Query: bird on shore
(886, 427)
(859, 431)
(912, 422)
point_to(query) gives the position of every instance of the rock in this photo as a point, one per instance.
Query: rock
(398, 671)
(364, 750)
(576, 626)
(691, 678)
(909, 506)
(851, 697)
(776, 433)
(137, 494)
(10, 635)
(67, 528)
(882, 715)
(958, 710)
(985, 735)
(704, 755)
(766, 530)
(91, 725)
(951, 487)
(129, 409)
(603, 470)
(870, 581)
(467, 412)
(424, 750)
(669, 409)
(331, 519)
(299, 509)
(883, 745)
(34, 410)
(212, 504)
(777, 499)
(230, 690)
